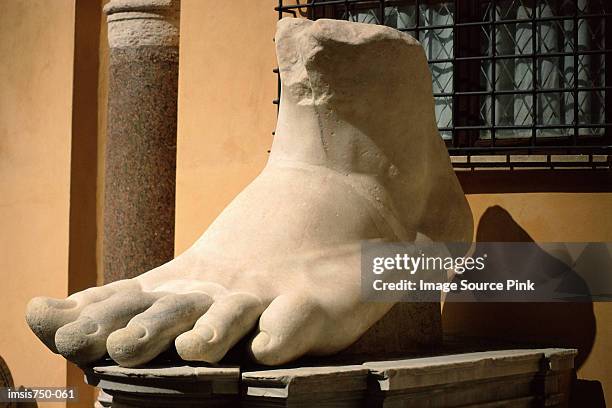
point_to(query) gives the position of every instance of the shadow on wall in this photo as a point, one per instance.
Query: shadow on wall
(570, 325)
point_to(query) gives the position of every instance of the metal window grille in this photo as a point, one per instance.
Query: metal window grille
(511, 78)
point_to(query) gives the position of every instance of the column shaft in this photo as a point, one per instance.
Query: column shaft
(140, 162)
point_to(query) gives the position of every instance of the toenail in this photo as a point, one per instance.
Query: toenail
(87, 327)
(62, 304)
(137, 332)
(261, 340)
(205, 333)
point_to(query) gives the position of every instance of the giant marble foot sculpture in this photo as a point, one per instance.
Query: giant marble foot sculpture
(356, 156)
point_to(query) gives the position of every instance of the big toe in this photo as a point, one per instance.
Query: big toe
(45, 315)
(84, 340)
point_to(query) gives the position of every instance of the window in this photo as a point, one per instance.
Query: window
(510, 77)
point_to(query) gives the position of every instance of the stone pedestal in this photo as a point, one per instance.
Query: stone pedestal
(140, 162)
(502, 378)
(179, 386)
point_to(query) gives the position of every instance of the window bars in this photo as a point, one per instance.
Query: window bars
(513, 78)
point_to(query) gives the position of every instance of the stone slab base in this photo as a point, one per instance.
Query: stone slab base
(501, 378)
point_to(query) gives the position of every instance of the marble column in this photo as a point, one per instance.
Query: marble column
(140, 162)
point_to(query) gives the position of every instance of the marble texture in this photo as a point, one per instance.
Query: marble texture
(279, 271)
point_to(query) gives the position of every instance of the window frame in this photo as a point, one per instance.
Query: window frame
(466, 146)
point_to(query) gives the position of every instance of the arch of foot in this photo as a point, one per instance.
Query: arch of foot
(281, 263)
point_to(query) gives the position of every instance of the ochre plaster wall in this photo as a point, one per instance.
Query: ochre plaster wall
(36, 44)
(103, 55)
(226, 116)
(48, 154)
